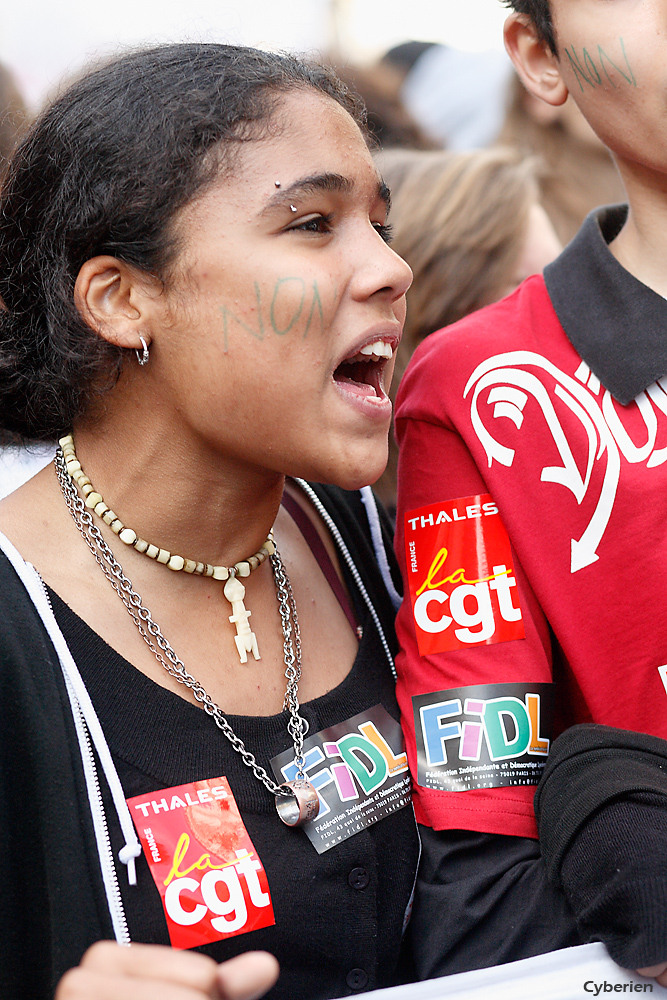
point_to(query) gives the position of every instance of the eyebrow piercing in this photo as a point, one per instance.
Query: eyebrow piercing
(277, 183)
(293, 208)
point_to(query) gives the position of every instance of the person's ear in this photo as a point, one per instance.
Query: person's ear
(534, 61)
(114, 300)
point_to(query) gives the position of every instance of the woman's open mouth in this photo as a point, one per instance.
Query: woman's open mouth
(362, 374)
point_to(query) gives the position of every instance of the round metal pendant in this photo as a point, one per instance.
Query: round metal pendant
(300, 805)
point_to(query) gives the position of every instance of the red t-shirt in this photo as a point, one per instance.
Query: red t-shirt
(500, 408)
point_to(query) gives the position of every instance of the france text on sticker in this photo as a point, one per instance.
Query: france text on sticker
(459, 565)
(210, 879)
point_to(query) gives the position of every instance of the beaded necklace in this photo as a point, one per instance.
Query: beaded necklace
(297, 800)
(234, 591)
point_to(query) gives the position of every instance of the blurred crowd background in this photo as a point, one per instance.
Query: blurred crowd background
(41, 41)
(488, 183)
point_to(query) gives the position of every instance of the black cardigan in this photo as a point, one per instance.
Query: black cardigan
(52, 900)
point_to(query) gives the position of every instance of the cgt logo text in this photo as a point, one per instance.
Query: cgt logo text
(210, 880)
(220, 888)
(456, 601)
(470, 604)
(509, 726)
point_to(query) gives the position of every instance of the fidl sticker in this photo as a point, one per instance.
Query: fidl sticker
(484, 736)
(208, 874)
(459, 563)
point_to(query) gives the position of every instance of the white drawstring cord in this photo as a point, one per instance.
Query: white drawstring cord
(345, 552)
(368, 498)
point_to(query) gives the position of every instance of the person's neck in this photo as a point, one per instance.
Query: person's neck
(180, 495)
(641, 246)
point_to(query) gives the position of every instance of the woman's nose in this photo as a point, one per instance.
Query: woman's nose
(383, 270)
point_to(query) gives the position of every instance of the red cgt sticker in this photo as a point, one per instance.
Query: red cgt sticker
(459, 564)
(207, 872)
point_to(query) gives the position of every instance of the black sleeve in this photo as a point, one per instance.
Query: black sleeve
(482, 900)
(602, 815)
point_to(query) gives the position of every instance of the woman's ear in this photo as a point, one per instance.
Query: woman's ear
(534, 61)
(113, 300)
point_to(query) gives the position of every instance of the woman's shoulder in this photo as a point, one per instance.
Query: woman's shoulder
(24, 640)
(367, 532)
(16, 607)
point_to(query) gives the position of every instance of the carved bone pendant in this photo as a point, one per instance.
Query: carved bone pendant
(245, 638)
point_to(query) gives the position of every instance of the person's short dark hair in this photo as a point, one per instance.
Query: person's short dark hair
(539, 13)
(104, 170)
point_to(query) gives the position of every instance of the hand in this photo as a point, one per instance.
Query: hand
(657, 972)
(109, 971)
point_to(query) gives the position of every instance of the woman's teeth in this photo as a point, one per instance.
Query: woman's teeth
(379, 349)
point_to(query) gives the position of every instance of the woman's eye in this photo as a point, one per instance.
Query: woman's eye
(315, 224)
(384, 230)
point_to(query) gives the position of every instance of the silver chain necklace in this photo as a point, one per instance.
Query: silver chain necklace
(296, 801)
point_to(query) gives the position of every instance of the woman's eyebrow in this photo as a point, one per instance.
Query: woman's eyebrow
(319, 182)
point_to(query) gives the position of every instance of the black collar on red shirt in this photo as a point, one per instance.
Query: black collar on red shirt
(617, 325)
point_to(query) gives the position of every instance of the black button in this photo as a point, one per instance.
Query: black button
(356, 979)
(358, 878)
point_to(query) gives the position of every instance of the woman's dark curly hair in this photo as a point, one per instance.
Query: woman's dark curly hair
(539, 13)
(103, 171)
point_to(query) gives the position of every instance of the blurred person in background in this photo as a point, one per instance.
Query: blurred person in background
(389, 121)
(471, 227)
(401, 58)
(578, 172)
(13, 115)
(459, 98)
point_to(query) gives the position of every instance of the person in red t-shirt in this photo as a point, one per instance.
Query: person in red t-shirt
(531, 513)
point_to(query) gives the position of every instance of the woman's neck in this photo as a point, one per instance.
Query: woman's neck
(180, 495)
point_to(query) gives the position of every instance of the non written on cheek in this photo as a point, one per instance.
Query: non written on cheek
(294, 305)
(599, 69)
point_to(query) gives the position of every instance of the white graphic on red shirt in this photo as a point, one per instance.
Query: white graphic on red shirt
(607, 438)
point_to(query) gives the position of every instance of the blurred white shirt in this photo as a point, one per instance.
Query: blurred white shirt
(459, 98)
(18, 465)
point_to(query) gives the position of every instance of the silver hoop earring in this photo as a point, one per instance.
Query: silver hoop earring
(143, 357)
